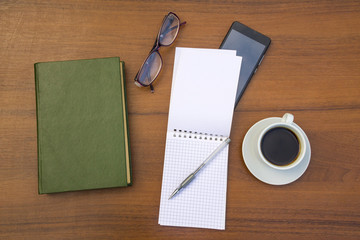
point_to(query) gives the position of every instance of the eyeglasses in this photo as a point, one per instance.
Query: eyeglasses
(151, 67)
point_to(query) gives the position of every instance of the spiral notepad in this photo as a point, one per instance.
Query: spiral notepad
(200, 116)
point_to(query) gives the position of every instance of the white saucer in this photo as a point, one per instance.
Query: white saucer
(261, 170)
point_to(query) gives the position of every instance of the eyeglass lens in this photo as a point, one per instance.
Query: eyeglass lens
(169, 30)
(150, 69)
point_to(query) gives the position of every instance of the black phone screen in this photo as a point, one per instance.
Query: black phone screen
(251, 52)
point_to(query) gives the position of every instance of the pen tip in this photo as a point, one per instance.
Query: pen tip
(173, 194)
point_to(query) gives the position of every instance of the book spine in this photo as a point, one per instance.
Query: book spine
(37, 96)
(126, 123)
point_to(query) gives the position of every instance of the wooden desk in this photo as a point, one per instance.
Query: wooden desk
(312, 70)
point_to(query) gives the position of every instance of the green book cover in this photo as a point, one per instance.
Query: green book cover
(82, 125)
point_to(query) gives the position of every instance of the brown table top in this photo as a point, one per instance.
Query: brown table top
(311, 70)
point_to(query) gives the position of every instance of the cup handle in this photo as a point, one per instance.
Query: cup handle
(287, 118)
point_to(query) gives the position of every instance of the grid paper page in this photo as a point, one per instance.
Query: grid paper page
(202, 203)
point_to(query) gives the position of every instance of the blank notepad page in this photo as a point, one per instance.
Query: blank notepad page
(202, 92)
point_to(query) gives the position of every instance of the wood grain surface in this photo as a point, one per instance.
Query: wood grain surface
(311, 70)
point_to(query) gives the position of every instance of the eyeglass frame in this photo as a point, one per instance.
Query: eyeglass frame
(156, 48)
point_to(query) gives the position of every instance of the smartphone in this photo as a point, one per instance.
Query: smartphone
(249, 44)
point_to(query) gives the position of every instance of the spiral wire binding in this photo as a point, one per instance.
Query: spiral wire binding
(196, 135)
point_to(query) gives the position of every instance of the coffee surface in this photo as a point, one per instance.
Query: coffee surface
(280, 146)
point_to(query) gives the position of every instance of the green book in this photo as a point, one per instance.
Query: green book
(82, 127)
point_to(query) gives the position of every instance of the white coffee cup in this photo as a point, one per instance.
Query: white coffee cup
(287, 122)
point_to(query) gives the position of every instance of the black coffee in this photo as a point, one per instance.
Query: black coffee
(280, 146)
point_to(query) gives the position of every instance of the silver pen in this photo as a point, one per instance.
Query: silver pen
(193, 174)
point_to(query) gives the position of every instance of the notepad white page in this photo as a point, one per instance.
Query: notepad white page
(202, 90)
(201, 78)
